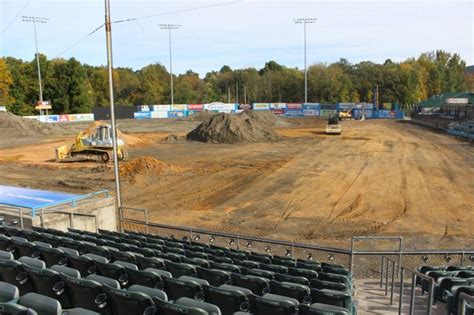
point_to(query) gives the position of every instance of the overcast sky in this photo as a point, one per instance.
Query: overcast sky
(243, 33)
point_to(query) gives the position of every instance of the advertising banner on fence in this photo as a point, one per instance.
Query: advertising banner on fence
(63, 118)
(82, 117)
(221, 107)
(142, 115)
(161, 107)
(143, 108)
(277, 105)
(386, 114)
(159, 114)
(310, 112)
(179, 107)
(3, 108)
(312, 106)
(293, 113)
(195, 107)
(177, 113)
(280, 112)
(294, 106)
(244, 106)
(49, 118)
(261, 106)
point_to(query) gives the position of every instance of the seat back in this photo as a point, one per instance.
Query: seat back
(15, 309)
(87, 294)
(257, 285)
(180, 269)
(331, 297)
(8, 292)
(228, 301)
(145, 278)
(83, 264)
(166, 308)
(215, 277)
(150, 262)
(42, 304)
(274, 305)
(297, 291)
(113, 271)
(176, 288)
(49, 283)
(13, 272)
(128, 302)
(52, 256)
(321, 284)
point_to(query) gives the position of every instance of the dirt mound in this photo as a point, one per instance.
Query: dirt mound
(228, 128)
(173, 138)
(141, 166)
(16, 126)
(267, 117)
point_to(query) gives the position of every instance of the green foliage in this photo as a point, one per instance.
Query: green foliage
(74, 87)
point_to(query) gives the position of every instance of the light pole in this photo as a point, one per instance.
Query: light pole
(170, 27)
(36, 19)
(108, 37)
(305, 21)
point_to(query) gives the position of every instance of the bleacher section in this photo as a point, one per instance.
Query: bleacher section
(78, 272)
(450, 282)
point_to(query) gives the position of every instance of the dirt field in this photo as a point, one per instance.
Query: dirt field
(378, 177)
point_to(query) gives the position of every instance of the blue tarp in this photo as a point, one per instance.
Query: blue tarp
(31, 198)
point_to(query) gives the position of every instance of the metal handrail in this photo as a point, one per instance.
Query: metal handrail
(463, 299)
(382, 268)
(415, 275)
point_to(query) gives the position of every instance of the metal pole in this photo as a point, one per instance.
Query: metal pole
(400, 298)
(351, 266)
(108, 35)
(171, 68)
(412, 294)
(21, 217)
(386, 277)
(237, 92)
(245, 94)
(305, 71)
(38, 64)
(228, 94)
(393, 283)
(381, 272)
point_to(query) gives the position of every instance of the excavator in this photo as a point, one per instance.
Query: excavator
(333, 126)
(94, 144)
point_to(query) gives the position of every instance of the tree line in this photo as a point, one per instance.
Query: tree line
(73, 87)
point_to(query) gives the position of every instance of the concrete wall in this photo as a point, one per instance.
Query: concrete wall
(59, 217)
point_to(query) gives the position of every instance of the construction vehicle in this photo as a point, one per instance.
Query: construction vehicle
(333, 126)
(94, 144)
(345, 114)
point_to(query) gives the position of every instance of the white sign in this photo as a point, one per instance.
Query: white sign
(277, 105)
(261, 106)
(161, 107)
(144, 108)
(159, 114)
(3, 108)
(220, 107)
(179, 107)
(457, 101)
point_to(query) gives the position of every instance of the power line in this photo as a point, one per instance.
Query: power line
(12, 20)
(135, 19)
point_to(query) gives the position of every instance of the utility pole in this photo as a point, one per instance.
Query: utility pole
(245, 94)
(228, 94)
(237, 92)
(108, 37)
(305, 21)
(36, 19)
(170, 27)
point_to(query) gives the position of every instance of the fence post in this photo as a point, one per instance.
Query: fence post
(400, 298)
(412, 297)
(121, 219)
(71, 220)
(393, 283)
(21, 217)
(146, 221)
(381, 272)
(430, 298)
(400, 254)
(96, 224)
(42, 218)
(386, 277)
(351, 264)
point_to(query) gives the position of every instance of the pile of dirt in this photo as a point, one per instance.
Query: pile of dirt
(173, 138)
(144, 165)
(268, 118)
(228, 128)
(16, 126)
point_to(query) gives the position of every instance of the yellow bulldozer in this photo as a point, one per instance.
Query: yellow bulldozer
(93, 144)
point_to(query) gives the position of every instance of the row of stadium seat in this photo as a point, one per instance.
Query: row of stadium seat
(450, 281)
(226, 281)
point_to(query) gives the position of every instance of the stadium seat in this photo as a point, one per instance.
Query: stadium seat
(104, 281)
(113, 271)
(96, 257)
(126, 264)
(180, 269)
(299, 292)
(87, 294)
(12, 271)
(259, 273)
(211, 309)
(274, 268)
(283, 262)
(52, 256)
(6, 255)
(15, 309)
(453, 297)
(288, 278)
(151, 292)
(162, 273)
(85, 265)
(124, 256)
(273, 304)
(71, 272)
(176, 288)
(226, 267)
(167, 308)
(144, 278)
(215, 277)
(334, 278)
(128, 302)
(250, 264)
(8, 292)
(332, 297)
(24, 248)
(32, 262)
(322, 309)
(150, 262)
(302, 272)
(446, 284)
(257, 285)
(321, 284)
(42, 304)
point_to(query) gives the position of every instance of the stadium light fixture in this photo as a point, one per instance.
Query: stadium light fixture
(268, 249)
(170, 27)
(34, 20)
(305, 21)
(108, 37)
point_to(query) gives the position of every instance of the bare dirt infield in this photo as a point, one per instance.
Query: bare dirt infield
(378, 177)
